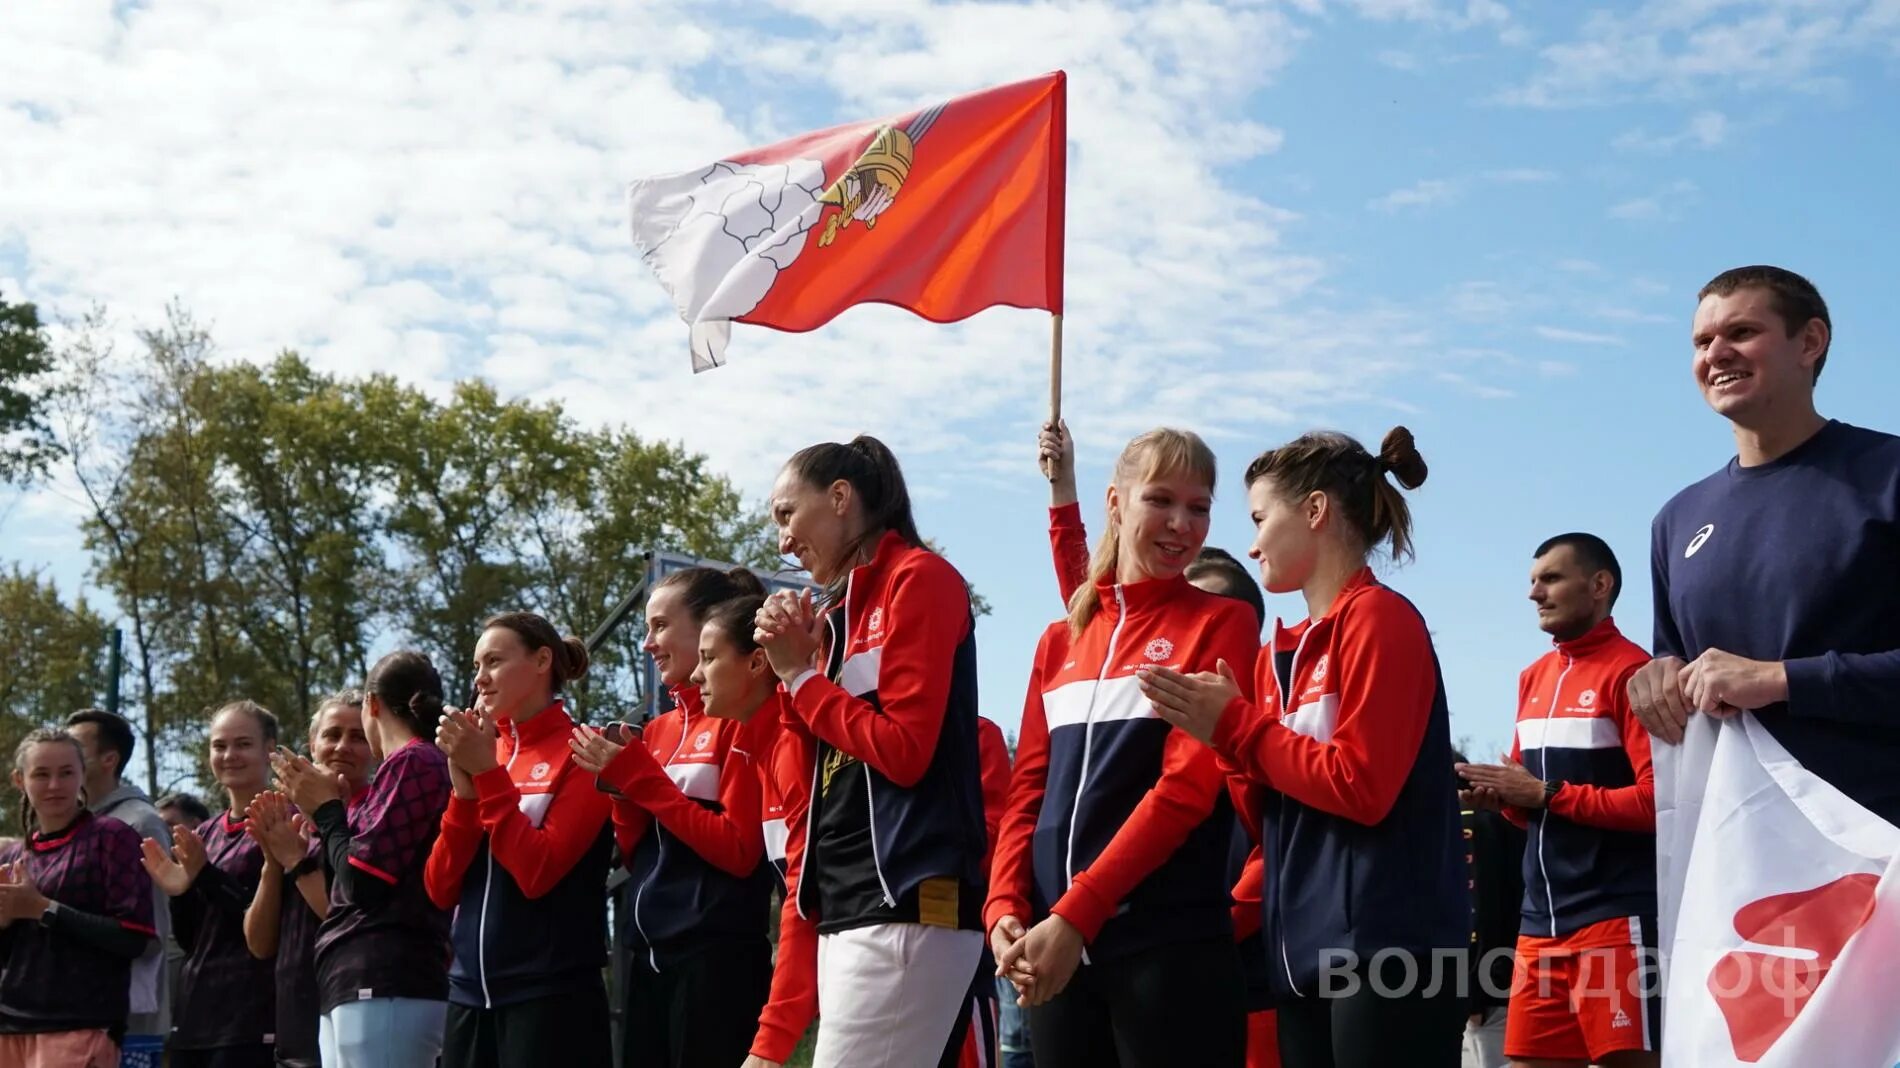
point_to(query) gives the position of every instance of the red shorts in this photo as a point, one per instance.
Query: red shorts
(1263, 1039)
(1580, 996)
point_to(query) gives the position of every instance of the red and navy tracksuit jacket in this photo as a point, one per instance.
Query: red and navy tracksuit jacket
(1118, 822)
(523, 866)
(1361, 832)
(783, 780)
(689, 831)
(897, 705)
(1591, 854)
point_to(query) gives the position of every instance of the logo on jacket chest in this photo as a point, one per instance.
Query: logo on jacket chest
(539, 771)
(875, 624)
(703, 741)
(1158, 650)
(1696, 542)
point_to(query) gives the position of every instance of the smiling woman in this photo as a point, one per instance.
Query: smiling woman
(1116, 832)
(226, 998)
(882, 722)
(76, 910)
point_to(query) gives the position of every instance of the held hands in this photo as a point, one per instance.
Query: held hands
(1193, 703)
(468, 740)
(1504, 783)
(175, 873)
(19, 898)
(308, 786)
(788, 628)
(1052, 950)
(1055, 454)
(280, 833)
(1005, 938)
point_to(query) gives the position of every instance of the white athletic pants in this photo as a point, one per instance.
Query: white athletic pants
(888, 995)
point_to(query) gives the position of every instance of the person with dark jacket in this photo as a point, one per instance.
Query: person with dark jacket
(885, 724)
(522, 858)
(225, 1012)
(1116, 833)
(382, 950)
(1494, 857)
(292, 894)
(108, 742)
(1344, 761)
(75, 912)
(687, 823)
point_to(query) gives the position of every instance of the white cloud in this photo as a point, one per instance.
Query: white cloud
(1705, 130)
(1575, 337)
(1665, 204)
(1420, 194)
(1431, 192)
(438, 192)
(1696, 49)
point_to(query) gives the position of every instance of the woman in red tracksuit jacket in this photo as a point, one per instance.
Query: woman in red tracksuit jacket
(1115, 837)
(737, 685)
(522, 856)
(1347, 759)
(885, 726)
(1215, 571)
(688, 825)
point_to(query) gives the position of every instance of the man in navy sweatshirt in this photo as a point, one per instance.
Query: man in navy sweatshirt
(1777, 578)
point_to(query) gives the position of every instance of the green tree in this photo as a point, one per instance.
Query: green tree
(27, 444)
(465, 480)
(56, 653)
(303, 526)
(639, 496)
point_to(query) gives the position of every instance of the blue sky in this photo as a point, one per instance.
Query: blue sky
(1484, 220)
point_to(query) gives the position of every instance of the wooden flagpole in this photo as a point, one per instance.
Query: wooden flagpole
(1055, 368)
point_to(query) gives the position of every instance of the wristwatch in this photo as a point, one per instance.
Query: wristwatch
(1551, 787)
(48, 917)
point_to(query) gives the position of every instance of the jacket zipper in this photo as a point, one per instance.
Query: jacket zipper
(870, 798)
(481, 933)
(659, 837)
(1088, 731)
(1543, 814)
(1292, 676)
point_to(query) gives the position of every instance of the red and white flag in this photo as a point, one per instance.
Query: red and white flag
(945, 211)
(1780, 908)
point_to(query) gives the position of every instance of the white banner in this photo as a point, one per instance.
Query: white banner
(1780, 909)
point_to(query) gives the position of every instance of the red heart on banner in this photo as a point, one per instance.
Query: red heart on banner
(1760, 994)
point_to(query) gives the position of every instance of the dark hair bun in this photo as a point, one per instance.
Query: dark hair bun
(573, 658)
(745, 583)
(426, 706)
(1398, 453)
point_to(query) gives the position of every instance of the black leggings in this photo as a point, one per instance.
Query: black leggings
(1168, 1007)
(562, 1029)
(1365, 1028)
(701, 1008)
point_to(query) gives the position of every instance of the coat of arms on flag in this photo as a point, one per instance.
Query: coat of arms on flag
(1780, 908)
(945, 211)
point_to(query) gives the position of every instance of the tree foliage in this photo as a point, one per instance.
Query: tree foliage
(266, 531)
(56, 663)
(26, 441)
